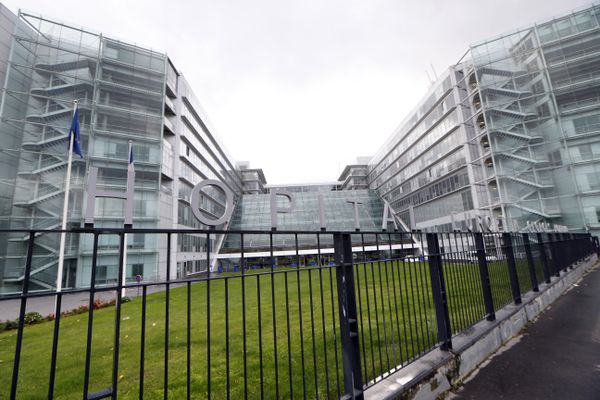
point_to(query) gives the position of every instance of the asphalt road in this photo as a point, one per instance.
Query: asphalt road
(558, 357)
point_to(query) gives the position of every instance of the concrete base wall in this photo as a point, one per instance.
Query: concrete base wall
(436, 372)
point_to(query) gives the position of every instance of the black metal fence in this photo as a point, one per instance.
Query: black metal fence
(327, 319)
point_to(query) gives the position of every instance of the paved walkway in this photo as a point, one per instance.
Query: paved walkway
(9, 309)
(558, 357)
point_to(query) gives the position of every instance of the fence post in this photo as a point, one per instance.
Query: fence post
(554, 252)
(573, 251)
(24, 292)
(353, 383)
(438, 289)
(530, 263)
(586, 246)
(541, 247)
(564, 253)
(512, 268)
(484, 274)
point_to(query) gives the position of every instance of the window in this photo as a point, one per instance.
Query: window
(101, 273)
(543, 110)
(467, 200)
(585, 150)
(555, 158)
(593, 181)
(137, 269)
(138, 241)
(105, 273)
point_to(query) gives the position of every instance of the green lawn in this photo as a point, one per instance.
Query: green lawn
(396, 324)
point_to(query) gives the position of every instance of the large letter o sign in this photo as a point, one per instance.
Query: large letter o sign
(228, 202)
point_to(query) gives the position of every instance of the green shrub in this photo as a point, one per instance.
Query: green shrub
(8, 325)
(33, 318)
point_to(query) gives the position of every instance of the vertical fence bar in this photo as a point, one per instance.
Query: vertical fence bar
(543, 257)
(54, 346)
(167, 300)
(88, 348)
(438, 289)
(383, 311)
(227, 361)
(484, 275)
(555, 253)
(15, 374)
(188, 358)
(274, 315)
(289, 339)
(312, 330)
(583, 246)
(393, 264)
(353, 385)
(572, 249)
(260, 340)
(530, 263)
(512, 267)
(300, 324)
(208, 384)
(564, 252)
(322, 298)
(143, 341)
(120, 283)
(244, 335)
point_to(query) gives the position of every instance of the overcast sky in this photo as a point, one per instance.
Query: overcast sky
(301, 88)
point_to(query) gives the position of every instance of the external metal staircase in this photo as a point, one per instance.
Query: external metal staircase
(40, 180)
(508, 109)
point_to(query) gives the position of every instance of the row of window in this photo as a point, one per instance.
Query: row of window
(457, 202)
(403, 136)
(190, 117)
(422, 163)
(444, 186)
(193, 243)
(567, 26)
(198, 162)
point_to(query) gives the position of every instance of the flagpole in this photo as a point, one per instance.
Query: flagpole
(63, 227)
(124, 275)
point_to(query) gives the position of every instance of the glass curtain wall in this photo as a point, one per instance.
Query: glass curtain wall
(119, 88)
(423, 169)
(538, 91)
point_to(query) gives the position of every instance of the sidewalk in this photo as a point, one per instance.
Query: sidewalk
(9, 309)
(558, 357)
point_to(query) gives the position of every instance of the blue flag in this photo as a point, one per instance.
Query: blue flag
(130, 166)
(75, 131)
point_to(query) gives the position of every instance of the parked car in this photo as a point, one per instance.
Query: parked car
(472, 256)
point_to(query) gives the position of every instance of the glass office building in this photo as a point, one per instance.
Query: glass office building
(510, 133)
(124, 92)
(424, 170)
(312, 208)
(536, 97)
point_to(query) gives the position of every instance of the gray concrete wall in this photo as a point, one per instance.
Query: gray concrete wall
(436, 372)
